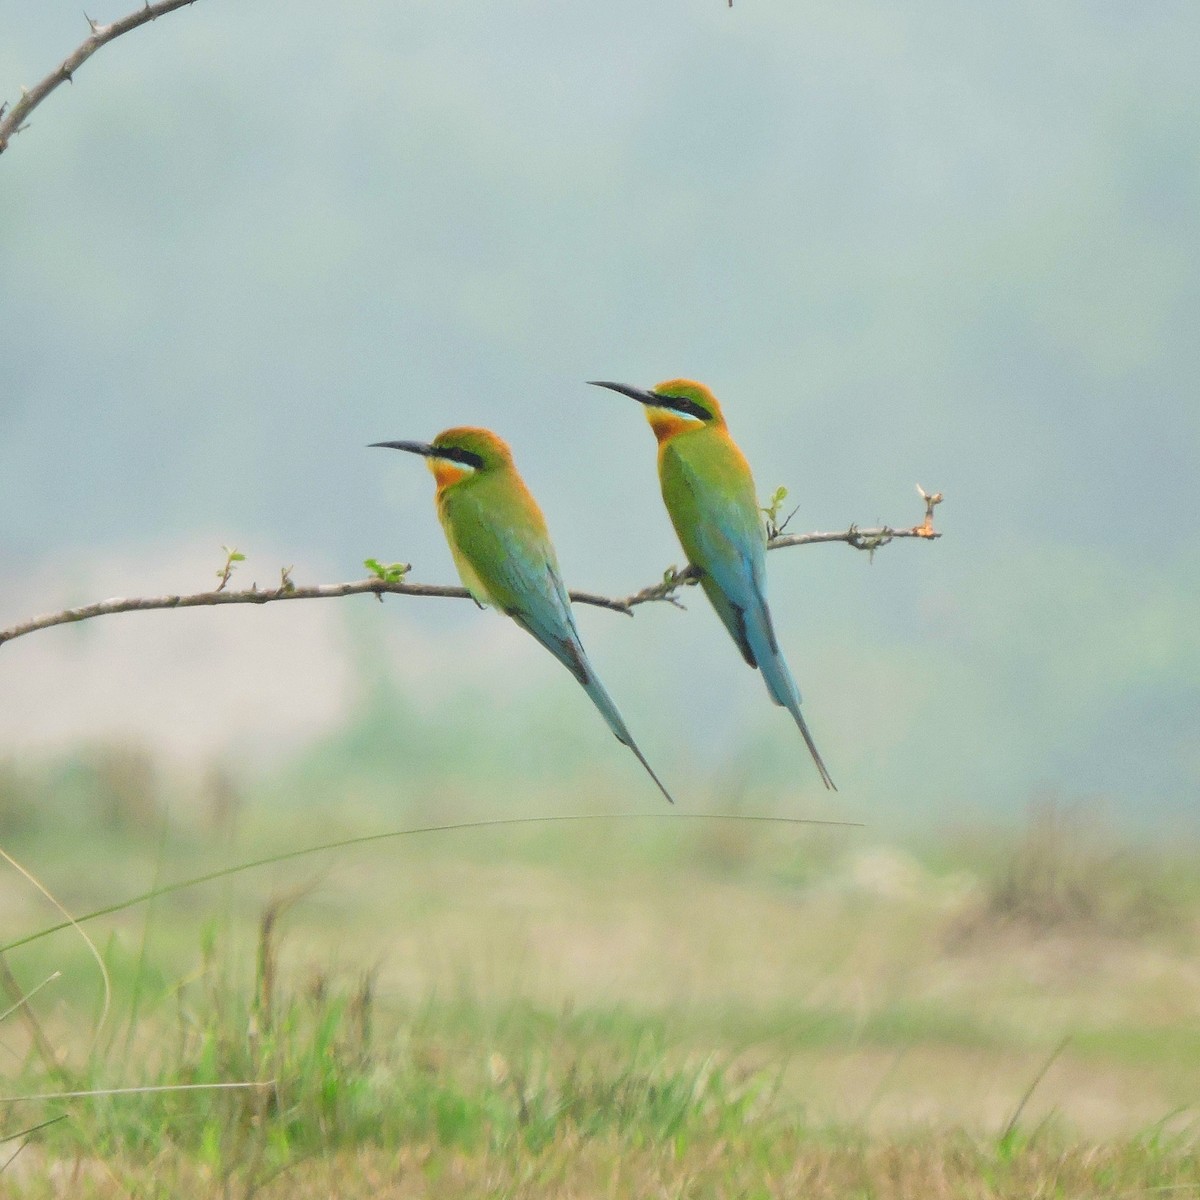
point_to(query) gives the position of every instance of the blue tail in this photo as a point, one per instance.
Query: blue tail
(609, 711)
(559, 635)
(760, 635)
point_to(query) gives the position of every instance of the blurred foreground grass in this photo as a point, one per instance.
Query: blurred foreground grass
(610, 1008)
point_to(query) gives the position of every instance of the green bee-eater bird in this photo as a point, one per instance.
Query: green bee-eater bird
(504, 555)
(709, 493)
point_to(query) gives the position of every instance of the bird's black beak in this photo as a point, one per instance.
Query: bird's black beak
(639, 394)
(679, 404)
(412, 447)
(454, 454)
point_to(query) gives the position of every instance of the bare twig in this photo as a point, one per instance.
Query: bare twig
(249, 596)
(673, 579)
(13, 120)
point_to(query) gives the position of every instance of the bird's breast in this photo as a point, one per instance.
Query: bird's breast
(462, 562)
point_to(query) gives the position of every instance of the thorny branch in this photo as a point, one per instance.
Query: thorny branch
(13, 120)
(391, 581)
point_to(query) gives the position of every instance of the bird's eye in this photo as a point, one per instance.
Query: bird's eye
(689, 408)
(467, 458)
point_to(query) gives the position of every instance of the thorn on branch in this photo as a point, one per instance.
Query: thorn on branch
(13, 116)
(785, 523)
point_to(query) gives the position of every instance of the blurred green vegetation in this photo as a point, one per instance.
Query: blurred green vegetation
(490, 998)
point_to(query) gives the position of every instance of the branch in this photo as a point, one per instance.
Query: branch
(861, 539)
(13, 120)
(391, 582)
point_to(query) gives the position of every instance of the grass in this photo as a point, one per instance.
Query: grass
(603, 1011)
(754, 1164)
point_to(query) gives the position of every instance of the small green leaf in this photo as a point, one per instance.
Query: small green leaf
(388, 572)
(771, 510)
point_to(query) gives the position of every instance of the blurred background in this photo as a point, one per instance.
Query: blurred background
(915, 245)
(922, 243)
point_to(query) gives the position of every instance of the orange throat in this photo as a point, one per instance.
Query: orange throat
(446, 473)
(667, 424)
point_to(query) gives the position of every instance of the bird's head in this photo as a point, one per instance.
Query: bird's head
(458, 454)
(673, 407)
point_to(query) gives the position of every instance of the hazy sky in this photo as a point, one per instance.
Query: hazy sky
(925, 242)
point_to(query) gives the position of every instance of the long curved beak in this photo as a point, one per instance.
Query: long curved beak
(639, 394)
(412, 447)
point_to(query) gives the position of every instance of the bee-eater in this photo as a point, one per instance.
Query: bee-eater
(709, 493)
(504, 555)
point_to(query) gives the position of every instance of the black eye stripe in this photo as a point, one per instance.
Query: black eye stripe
(456, 454)
(683, 405)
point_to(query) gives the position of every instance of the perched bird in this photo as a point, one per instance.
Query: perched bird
(503, 553)
(709, 492)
